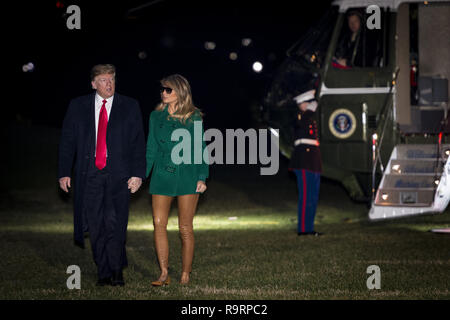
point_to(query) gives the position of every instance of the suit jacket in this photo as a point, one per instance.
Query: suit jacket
(124, 140)
(169, 178)
(306, 156)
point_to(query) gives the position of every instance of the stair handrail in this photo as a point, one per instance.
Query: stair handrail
(439, 155)
(385, 114)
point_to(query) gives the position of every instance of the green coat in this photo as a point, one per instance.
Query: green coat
(167, 177)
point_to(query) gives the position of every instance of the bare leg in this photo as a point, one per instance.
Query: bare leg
(161, 207)
(187, 205)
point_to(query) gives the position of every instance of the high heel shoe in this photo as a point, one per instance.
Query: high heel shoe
(160, 283)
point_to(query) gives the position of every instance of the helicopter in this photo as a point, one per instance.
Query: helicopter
(382, 96)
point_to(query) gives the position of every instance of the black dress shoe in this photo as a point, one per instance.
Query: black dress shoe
(104, 282)
(117, 278)
(314, 233)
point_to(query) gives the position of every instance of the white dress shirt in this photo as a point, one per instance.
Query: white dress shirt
(98, 107)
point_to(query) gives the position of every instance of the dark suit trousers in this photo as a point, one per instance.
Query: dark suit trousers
(106, 205)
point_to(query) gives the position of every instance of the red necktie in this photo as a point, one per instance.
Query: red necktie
(100, 157)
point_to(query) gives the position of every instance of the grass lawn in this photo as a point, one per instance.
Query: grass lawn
(254, 255)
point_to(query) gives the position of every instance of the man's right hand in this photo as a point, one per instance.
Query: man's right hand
(64, 183)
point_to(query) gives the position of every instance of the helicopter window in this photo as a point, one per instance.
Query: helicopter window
(311, 49)
(359, 46)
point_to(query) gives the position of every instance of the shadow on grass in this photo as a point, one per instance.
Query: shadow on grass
(241, 264)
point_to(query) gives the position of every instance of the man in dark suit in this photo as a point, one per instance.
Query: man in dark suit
(102, 139)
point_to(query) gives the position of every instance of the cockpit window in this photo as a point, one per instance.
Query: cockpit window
(311, 49)
(359, 46)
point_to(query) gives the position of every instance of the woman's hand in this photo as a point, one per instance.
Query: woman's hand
(201, 186)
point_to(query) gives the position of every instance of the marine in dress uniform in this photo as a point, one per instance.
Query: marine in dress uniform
(306, 163)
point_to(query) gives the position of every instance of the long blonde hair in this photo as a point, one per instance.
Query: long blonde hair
(184, 106)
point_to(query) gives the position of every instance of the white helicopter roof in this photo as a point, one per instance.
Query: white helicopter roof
(392, 4)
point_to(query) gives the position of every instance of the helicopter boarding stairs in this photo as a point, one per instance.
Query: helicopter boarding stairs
(415, 181)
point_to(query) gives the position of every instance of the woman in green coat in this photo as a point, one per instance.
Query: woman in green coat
(170, 178)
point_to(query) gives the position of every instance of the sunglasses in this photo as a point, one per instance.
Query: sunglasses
(168, 90)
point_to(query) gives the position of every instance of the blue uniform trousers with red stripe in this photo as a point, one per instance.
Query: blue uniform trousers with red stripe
(308, 183)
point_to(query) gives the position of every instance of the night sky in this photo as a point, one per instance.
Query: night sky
(172, 34)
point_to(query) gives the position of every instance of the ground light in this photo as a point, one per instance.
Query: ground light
(257, 67)
(29, 67)
(209, 45)
(441, 230)
(233, 56)
(201, 222)
(246, 42)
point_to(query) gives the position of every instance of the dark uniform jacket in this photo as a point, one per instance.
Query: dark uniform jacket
(306, 156)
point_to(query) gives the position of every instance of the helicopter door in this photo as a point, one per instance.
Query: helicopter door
(428, 70)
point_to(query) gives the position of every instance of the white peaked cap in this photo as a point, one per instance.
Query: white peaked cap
(308, 95)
